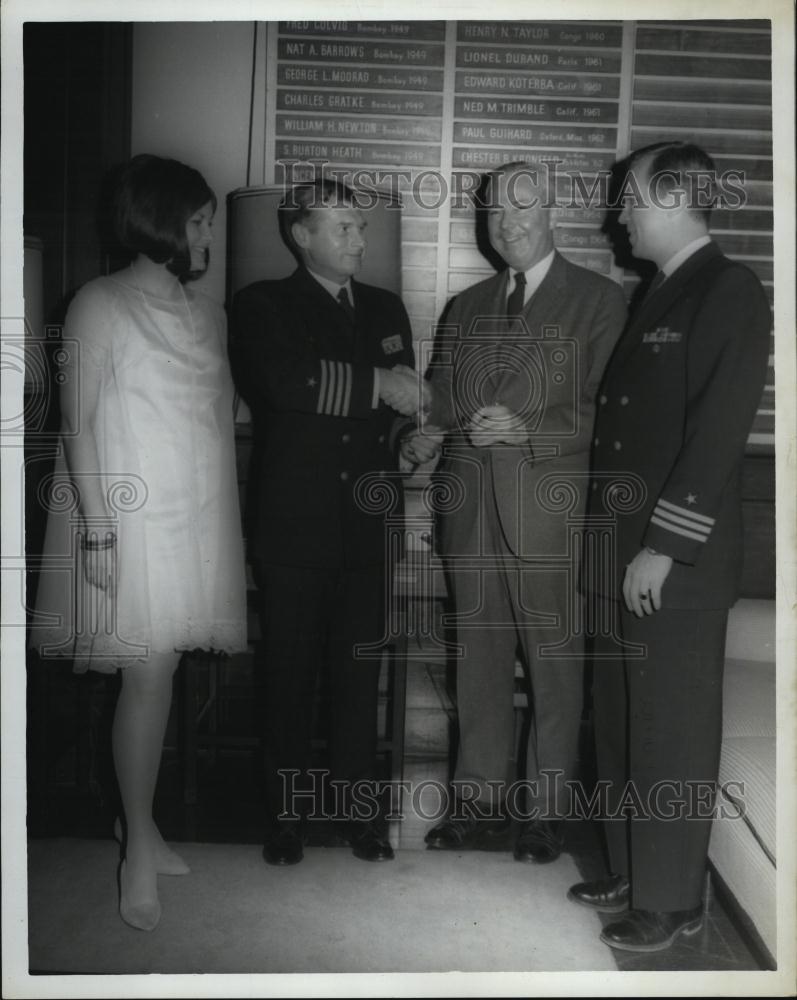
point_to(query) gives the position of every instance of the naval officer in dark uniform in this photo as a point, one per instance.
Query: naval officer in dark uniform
(325, 363)
(675, 410)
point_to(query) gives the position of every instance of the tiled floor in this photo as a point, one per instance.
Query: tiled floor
(229, 810)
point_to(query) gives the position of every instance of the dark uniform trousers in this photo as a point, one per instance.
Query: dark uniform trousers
(313, 619)
(497, 610)
(658, 720)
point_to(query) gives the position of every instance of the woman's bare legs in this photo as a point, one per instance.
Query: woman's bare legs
(139, 726)
(167, 860)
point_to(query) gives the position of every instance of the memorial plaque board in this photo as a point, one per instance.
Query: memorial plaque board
(439, 103)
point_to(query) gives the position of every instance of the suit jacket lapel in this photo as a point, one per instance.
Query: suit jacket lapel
(543, 302)
(492, 308)
(333, 323)
(493, 304)
(359, 332)
(662, 299)
(657, 305)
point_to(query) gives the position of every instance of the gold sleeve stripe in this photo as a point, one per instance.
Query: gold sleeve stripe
(323, 389)
(665, 515)
(676, 530)
(340, 373)
(331, 388)
(690, 515)
(347, 391)
(334, 395)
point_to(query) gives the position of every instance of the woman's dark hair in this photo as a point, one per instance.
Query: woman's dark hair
(155, 198)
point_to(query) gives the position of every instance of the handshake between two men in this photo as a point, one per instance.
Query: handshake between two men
(409, 394)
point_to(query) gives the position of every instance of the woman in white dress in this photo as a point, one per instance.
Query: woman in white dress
(147, 505)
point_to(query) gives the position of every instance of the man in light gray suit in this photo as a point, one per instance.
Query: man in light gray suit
(515, 390)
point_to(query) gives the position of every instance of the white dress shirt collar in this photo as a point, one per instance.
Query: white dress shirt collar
(332, 286)
(534, 276)
(684, 254)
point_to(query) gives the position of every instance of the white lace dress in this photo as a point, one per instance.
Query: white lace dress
(166, 459)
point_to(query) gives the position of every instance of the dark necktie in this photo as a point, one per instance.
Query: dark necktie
(514, 304)
(345, 304)
(655, 285)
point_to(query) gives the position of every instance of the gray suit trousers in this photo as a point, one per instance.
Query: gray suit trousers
(516, 607)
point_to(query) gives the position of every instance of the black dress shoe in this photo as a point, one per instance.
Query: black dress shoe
(649, 930)
(473, 832)
(283, 845)
(368, 844)
(609, 895)
(541, 841)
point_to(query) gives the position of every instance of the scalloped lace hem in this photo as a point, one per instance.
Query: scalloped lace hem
(108, 653)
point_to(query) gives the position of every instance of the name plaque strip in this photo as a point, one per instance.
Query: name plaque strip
(568, 208)
(699, 116)
(471, 259)
(709, 67)
(481, 57)
(756, 169)
(337, 126)
(573, 237)
(346, 51)
(746, 244)
(548, 86)
(684, 40)
(715, 140)
(535, 135)
(742, 219)
(583, 162)
(388, 153)
(513, 84)
(600, 262)
(395, 30)
(665, 88)
(366, 103)
(572, 111)
(370, 77)
(584, 33)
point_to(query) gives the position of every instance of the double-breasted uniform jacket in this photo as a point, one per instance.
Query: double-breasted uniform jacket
(675, 410)
(309, 379)
(547, 368)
